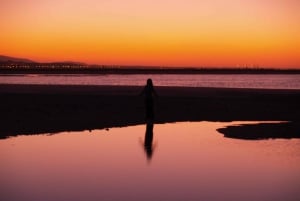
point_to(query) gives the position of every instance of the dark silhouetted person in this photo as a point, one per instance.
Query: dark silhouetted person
(148, 93)
(148, 146)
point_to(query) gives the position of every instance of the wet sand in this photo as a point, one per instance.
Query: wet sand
(34, 109)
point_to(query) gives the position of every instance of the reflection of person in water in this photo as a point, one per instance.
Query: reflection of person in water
(148, 92)
(148, 146)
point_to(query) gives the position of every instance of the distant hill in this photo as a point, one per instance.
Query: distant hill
(7, 59)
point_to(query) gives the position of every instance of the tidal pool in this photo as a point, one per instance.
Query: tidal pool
(178, 161)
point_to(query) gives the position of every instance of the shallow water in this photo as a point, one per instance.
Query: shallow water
(264, 81)
(189, 161)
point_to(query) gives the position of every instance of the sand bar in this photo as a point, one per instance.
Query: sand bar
(33, 109)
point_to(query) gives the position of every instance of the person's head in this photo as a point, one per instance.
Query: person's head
(149, 82)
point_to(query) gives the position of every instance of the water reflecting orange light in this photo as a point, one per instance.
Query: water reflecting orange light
(190, 161)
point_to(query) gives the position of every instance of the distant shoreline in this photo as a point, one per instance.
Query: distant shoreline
(146, 70)
(15, 65)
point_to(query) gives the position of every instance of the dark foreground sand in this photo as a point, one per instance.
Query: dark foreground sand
(33, 109)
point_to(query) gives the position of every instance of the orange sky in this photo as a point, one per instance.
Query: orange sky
(157, 32)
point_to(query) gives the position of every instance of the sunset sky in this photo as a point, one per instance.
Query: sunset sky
(217, 33)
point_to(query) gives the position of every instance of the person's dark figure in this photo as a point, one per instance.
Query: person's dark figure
(149, 92)
(148, 146)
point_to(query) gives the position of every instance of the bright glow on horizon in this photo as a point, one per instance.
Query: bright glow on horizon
(216, 33)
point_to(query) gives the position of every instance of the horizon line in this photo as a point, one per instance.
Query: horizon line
(237, 66)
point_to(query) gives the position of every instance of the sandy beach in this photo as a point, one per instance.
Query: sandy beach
(34, 109)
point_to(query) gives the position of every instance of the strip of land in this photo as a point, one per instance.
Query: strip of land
(34, 109)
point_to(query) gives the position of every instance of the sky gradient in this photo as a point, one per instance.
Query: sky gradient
(216, 33)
